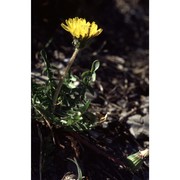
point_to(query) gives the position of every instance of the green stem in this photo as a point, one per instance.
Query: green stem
(56, 94)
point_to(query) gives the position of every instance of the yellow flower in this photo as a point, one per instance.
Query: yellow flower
(81, 29)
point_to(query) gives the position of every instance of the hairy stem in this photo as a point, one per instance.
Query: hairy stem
(56, 94)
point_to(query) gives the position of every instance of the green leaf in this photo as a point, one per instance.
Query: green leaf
(73, 78)
(85, 74)
(95, 66)
(43, 54)
(84, 108)
(71, 85)
(93, 77)
(78, 168)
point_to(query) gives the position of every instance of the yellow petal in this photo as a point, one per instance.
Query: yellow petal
(80, 28)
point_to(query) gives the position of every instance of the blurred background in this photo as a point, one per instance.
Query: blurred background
(125, 24)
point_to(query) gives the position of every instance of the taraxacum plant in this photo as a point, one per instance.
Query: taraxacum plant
(64, 104)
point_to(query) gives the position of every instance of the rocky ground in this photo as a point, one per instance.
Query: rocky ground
(121, 89)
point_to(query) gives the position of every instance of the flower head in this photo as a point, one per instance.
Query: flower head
(81, 29)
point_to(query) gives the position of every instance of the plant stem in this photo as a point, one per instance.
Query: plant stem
(56, 94)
